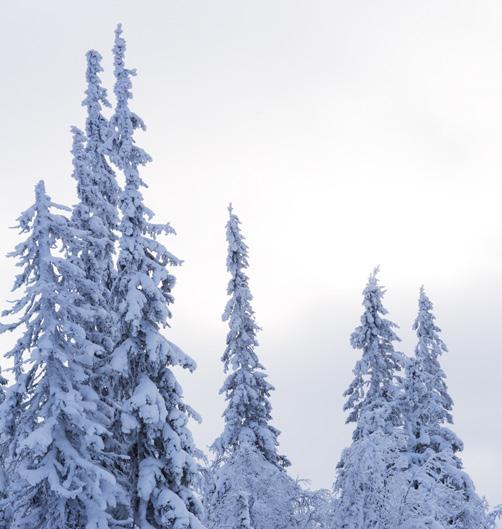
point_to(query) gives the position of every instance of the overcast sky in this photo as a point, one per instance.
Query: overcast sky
(346, 134)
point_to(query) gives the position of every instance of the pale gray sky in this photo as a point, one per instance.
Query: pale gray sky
(346, 134)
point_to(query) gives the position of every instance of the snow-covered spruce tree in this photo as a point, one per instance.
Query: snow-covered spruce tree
(153, 422)
(362, 495)
(97, 187)
(247, 463)
(51, 416)
(96, 214)
(247, 391)
(432, 485)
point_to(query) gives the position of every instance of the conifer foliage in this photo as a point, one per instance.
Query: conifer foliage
(51, 415)
(97, 186)
(362, 487)
(153, 422)
(436, 488)
(247, 391)
(94, 430)
(371, 397)
(249, 487)
(428, 404)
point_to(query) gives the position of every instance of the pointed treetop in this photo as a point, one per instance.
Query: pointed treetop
(60, 425)
(44, 201)
(40, 190)
(123, 85)
(247, 391)
(373, 279)
(427, 331)
(431, 461)
(96, 124)
(120, 144)
(428, 403)
(372, 395)
(95, 93)
(97, 187)
(163, 475)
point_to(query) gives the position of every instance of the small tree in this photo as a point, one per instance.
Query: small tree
(248, 489)
(51, 416)
(153, 424)
(247, 391)
(372, 400)
(364, 472)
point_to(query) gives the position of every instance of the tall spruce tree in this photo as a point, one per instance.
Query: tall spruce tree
(250, 487)
(366, 467)
(51, 416)
(97, 186)
(96, 214)
(153, 423)
(433, 486)
(247, 391)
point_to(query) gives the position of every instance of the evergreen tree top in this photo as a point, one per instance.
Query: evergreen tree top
(237, 256)
(372, 396)
(94, 101)
(375, 330)
(97, 131)
(45, 275)
(430, 343)
(52, 417)
(98, 192)
(44, 229)
(153, 419)
(441, 489)
(238, 311)
(142, 258)
(428, 403)
(247, 391)
(124, 122)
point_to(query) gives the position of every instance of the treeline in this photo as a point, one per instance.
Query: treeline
(94, 431)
